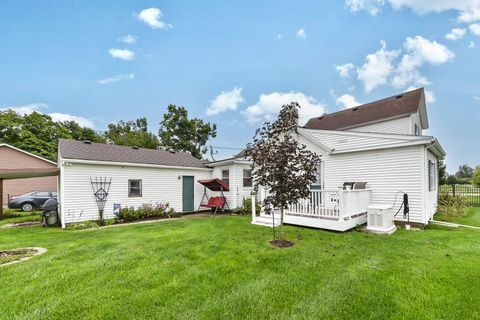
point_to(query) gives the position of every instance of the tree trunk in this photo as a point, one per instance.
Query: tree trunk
(282, 236)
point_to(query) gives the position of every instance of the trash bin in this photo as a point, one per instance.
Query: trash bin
(50, 213)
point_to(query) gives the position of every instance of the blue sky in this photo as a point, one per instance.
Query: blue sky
(235, 63)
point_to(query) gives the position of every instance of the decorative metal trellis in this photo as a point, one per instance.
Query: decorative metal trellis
(101, 187)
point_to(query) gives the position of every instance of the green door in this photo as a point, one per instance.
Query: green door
(188, 193)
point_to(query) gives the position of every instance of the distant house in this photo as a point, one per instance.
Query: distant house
(14, 158)
(380, 143)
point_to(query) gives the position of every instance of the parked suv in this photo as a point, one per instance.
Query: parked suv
(31, 200)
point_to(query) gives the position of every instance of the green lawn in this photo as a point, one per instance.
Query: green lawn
(224, 267)
(472, 218)
(19, 216)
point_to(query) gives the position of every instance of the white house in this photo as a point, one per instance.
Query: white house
(380, 143)
(135, 176)
(237, 173)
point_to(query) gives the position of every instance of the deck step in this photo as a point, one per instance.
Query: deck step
(266, 221)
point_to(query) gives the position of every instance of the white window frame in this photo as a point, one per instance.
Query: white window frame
(432, 176)
(130, 195)
(225, 178)
(247, 177)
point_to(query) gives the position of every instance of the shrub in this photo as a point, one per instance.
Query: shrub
(146, 211)
(246, 207)
(451, 207)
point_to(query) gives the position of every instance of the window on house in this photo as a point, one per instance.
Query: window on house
(226, 176)
(417, 130)
(134, 188)
(317, 185)
(432, 176)
(247, 178)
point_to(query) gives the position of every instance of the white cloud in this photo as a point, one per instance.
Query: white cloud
(268, 106)
(475, 28)
(56, 116)
(128, 39)
(28, 108)
(470, 15)
(429, 51)
(152, 17)
(466, 8)
(345, 70)
(471, 45)
(377, 68)
(371, 6)
(226, 100)
(456, 33)
(419, 51)
(84, 122)
(117, 78)
(347, 101)
(401, 68)
(279, 36)
(123, 54)
(301, 34)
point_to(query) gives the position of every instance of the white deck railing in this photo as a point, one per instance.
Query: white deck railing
(332, 204)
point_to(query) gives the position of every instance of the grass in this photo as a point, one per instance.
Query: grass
(472, 218)
(13, 216)
(224, 267)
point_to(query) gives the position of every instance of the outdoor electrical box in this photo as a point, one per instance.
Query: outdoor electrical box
(380, 219)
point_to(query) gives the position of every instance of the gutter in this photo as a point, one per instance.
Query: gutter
(128, 164)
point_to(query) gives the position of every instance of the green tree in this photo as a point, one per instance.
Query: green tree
(464, 172)
(442, 172)
(132, 133)
(38, 133)
(80, 133)
(179, 133)
(476, 176)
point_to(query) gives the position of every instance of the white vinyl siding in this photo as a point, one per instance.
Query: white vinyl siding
(386, 172)
(431, 195)
(158, 185)
(237, 191)
(399, 126)
(342, 141)
(415, 122)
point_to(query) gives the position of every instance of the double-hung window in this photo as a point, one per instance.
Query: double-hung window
(134, 188)
(432, 176)
(247, 178)
(226, 176)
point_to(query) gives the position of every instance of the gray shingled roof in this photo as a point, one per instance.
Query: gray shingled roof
(71, 149)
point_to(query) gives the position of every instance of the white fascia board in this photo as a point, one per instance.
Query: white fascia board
(128, 164)
(26, 152)
(392, 136)
(387, 146)
(228, 162)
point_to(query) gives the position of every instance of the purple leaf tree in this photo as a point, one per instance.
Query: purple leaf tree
(280, 163)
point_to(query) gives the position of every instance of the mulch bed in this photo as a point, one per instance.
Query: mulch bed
(282, 243)
(17, 255)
